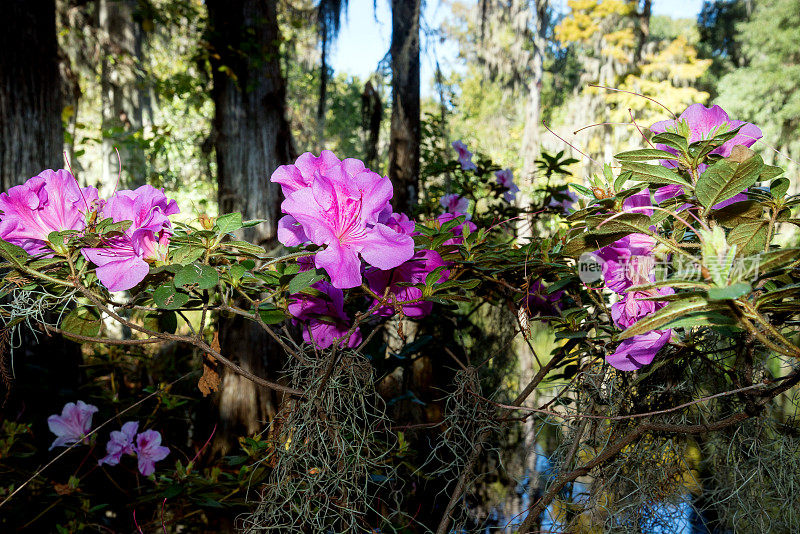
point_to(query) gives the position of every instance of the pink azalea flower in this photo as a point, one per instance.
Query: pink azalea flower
(120, 442)
(464, 156)
(565, 203)
(628, 310)
(628, 262)
(506, 179)
(123, 260)
(455, 203)
(307, 167)
(340, 209)
(399, 222)
(414, 271)
(52, 201)
(149, 451)
(637, 351)
(539, 303)
(705, 123)
(457, 231)
(324, 318)
(72, 425)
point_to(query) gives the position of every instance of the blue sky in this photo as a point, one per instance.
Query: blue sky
(364, 39)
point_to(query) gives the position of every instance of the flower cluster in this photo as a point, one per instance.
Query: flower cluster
(122, 261)
(704, 123)
(505, 178)
(75, 423)
(54, 202)
(146, 446)
(343, 206)
(464, 156)
(630, 261)
(323, 314)
(50, 202)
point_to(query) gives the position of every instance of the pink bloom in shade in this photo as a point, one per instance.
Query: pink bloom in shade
(340, 210)
(399, 222)
(149, 451)
(637, 201)
(464, 156)
(455, 203)
(539, 303)
(52, 201)
(567, 199)
(506, 179)
(120, 442)
(705, 123)
(629, 309)
(123, 261)
(628, 262)
(72, 425)
(637, 351)
(414, 271)
(458, 231)
(323, 316)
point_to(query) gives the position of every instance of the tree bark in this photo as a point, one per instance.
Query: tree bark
(252, 139)
(31, 136)
(531, 136)
(31, 140)
(123, 94)
(371, 118)
(405, 128)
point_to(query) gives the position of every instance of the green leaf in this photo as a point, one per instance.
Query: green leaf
(13, 254)
(654, 174)
(726, 179)
(236, 272)
(187, 254)
(734, 214)
(434, 276)
(589, 243)
(775, 259)
(749, 236)
(247, 248)
(671, 139)
(252, 222)
(779, 187)
(585, 191)
(82, 321)
(166, 321)
(692, 320)
(230, 222)
(674, 283)
(270, 314)
(204, 276)
(668, 313)
(645, 154)
(169, 298)
(303, 280)
(731, 292)
(626, 222)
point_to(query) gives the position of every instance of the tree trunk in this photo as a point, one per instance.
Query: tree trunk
(123, 94)
(531, 136)
(252, 139)
(371, 118)
(31, 140)
(405, 129)
(31, 137)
